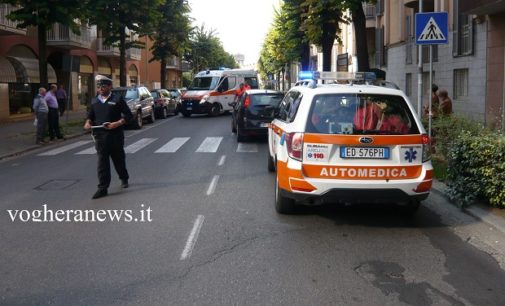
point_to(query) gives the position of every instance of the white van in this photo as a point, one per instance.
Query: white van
(212, 90)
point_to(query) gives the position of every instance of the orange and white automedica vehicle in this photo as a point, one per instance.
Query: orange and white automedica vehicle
(212, 90)
(348, 143)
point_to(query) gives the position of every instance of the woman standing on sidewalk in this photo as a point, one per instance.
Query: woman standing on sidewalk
(40, 108)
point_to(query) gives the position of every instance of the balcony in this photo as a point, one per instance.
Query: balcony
(61, 36)
(482, 7)
(428, 5)
(369, 10)
(105, 50)
(134, 54)
(173, 63)
(8, 27)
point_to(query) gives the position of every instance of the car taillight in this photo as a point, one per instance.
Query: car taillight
(294, 143)
(247, 102)
(426, 148)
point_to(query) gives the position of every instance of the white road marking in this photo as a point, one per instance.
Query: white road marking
(136, 146)
(144, 128)
(91, 150)
(173, 145)
(193, 236)
(221, 160)
(247, 147)
(65, 148)
(212, 186)
(210, 145)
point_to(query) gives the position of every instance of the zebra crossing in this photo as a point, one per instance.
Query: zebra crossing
(207, 145)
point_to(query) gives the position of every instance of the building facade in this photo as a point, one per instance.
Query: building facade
(73, 61)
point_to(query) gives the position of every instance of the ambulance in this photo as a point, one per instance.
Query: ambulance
(348, 143)
(212, 90)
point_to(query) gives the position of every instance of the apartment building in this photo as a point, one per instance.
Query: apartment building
(73, 61)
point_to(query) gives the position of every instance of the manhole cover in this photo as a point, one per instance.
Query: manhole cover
(56, 184)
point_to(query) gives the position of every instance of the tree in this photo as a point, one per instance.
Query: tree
(321, 25)
(115, 18)
(359, 21)
(206, 51)
(42, 15)
(171, 36)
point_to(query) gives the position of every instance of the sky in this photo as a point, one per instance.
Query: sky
(241, 25)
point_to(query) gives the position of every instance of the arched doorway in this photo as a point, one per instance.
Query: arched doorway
(133, 75)
(85, 89)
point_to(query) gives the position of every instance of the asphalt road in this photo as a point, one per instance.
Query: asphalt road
(202, 230)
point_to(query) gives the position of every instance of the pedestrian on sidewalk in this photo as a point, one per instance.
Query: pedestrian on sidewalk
(53, 116)
(41, 109)
(109, 112)
(61, 97)
(445, 107)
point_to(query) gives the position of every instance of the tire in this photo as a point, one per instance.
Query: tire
(240, 137)
(233, 128)
(215, 110)
(270, 163)
(164, 113)
(283, 205)
(176, 110)
(137, 124)
(151, 117)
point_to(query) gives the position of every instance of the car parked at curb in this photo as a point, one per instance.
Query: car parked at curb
(253, 111)
(140, 102)
(164, 103)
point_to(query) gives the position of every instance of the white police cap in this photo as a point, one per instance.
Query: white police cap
(102, 80)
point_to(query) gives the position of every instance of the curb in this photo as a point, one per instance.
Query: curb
(474, 210)
(35, 147)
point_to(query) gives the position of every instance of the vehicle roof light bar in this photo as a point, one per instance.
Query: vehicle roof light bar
(337, 76)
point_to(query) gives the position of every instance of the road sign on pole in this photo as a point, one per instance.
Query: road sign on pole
(432, 28)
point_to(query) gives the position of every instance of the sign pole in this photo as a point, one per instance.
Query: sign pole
(420, 73)
(431, 95)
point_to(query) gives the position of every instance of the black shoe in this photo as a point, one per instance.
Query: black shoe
(124, 183)
(100, 193)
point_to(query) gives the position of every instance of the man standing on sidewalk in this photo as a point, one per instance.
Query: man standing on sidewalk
(53, 116)
(40, 108)
(61, 96)
(108, 112)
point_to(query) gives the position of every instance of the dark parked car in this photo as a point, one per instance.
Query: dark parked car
(141, 104)
(252, 113)
(164, 104)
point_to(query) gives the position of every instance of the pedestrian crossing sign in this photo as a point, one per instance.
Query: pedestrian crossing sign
(431, 28)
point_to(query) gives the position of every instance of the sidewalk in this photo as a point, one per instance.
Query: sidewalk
(19, 137)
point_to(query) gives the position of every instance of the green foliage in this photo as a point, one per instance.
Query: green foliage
(206, 51)
(477, 168)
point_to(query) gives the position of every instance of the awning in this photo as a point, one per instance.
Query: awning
(27, 70)
(7, 71)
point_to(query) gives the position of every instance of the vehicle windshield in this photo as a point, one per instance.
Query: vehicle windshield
(155, 94)
(204, 83)
(127, 94)
(266, 100)
(360, 114)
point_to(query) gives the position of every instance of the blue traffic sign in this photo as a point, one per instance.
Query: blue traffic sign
(432, 28)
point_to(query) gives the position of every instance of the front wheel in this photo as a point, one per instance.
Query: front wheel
(270, 163)
(151, 117)
(138, 121)
(215, 110)
(283, 205)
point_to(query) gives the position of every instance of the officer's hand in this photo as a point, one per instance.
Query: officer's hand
(87, 125)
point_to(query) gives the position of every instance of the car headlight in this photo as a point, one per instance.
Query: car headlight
(204, 99)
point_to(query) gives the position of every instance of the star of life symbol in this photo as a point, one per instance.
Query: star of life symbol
(431, 32)
(410, 155)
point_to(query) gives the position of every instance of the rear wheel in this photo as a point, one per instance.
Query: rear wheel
(410, 207)
(164, 113)
(283, 205)
(233, 128)
(240, 136)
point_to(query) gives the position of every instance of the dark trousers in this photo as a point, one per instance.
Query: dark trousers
(54, 123)
(62, 106)
(41, 125)
(110, 144)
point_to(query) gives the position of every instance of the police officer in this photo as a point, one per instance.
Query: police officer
(107, 115)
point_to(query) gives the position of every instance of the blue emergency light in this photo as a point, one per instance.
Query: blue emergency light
(308, 75)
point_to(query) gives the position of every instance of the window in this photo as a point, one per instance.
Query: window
(232, 81)
(410, 38)
(360, 114)
(426, 54)
(426, 83)
(289, 106)
(408, 84)
(460, 83)
(379, 48)
(463, 32)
